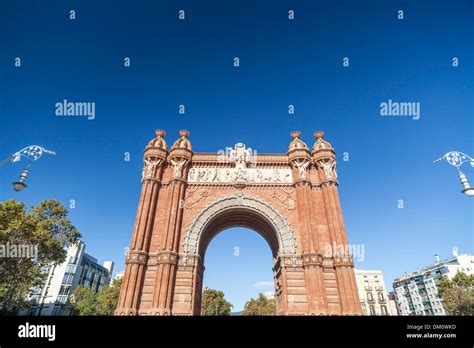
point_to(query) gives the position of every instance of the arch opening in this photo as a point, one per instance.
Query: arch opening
(238, 262)
(244, 211)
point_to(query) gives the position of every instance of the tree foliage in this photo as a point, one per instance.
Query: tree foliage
(45, 226)
(458, 294)
(260, 306)
(107, 298)
(214, 303)
(85, 301)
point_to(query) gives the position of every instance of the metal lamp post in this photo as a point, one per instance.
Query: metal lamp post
(457, 159)
(31, 153)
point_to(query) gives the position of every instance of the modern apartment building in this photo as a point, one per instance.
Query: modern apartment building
(79, 268)
(373, 295)
(417, 292)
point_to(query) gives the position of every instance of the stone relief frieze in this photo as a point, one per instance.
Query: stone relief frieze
(243, 169)
(244, 175)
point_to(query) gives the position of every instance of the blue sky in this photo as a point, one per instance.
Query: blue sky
(282, 62)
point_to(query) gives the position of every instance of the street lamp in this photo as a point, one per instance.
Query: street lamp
(457, 159)
(31, 153)
(20, 184)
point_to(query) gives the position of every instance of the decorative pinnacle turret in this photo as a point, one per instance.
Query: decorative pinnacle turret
(183, 141)
(160, 132)
(158, 142)
(296, 143)
(319, 135)
(295, 134)
(320, 143)
(184, 133)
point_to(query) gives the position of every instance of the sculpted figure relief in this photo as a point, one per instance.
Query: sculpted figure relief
(302, 165)
(249, 175)
(329, 168)
(244, 170)
(240, 155)
(149, 168)
(178, 167)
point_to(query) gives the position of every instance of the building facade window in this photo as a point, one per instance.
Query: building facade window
(372, 309)
(67, 279)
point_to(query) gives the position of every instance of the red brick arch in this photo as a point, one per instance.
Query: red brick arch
(188, 197)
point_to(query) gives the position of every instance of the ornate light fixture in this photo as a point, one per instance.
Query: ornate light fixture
(457, 159)
(31, 153)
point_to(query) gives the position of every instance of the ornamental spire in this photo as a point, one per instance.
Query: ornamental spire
(320, 143)
(158, 141)
(183, 142)
(296, 143)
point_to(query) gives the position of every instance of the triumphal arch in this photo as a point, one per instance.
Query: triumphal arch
(188, 197)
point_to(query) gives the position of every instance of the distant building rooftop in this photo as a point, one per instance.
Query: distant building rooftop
(452, 260)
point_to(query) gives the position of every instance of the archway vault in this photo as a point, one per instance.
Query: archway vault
(239, 210)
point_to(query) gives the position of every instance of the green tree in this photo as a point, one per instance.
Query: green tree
(458, 294)
(260, 306)
(214, 303)
(84, 301)
(108, 297)
(44, 226)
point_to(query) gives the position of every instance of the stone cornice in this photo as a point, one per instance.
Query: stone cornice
(232, 184)
(267, 158)
(312, 259)
(158, 181)
(137, 257)
(163, 257)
